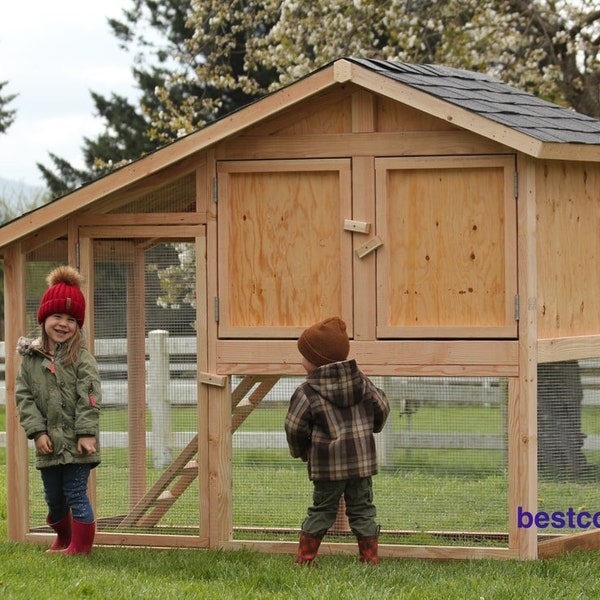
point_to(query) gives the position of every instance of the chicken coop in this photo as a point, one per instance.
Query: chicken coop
(451, 220)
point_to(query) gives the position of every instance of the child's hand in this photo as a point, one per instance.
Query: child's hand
(43, 444)
(86, 445)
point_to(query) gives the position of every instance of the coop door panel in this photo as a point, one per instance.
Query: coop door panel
(447, 267)
(284, 257)
(147, 281)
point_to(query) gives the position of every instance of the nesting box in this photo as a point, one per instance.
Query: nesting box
(451, 220)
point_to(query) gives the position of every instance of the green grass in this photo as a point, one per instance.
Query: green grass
(114, 573)
(468, 487)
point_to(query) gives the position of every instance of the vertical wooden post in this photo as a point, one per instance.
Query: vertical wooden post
(341, 524)
(363, 209)
(83, 258)
(17, 464)
(523, 396)
(136, 381)
(202, 360)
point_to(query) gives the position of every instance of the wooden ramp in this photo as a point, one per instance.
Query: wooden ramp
(184, 469)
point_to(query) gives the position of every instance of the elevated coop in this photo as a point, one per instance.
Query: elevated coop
(451, 220)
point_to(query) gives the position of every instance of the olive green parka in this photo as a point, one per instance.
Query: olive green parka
(62, 401)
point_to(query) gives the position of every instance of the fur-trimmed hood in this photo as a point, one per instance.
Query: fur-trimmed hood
(28, 346)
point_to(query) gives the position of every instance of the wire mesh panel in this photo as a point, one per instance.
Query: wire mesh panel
(568, 447)
(145, 345)
(442, 464)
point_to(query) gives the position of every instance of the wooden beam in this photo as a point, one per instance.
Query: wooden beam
(585, 540)
(570, 348)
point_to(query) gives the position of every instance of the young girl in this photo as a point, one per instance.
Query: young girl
(58, 399)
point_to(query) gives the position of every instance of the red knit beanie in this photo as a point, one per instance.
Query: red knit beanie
(325, 342)
(64, 295)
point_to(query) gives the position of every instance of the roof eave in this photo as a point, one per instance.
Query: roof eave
(177, 151)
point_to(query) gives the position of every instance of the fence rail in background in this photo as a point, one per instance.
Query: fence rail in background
(171, 380)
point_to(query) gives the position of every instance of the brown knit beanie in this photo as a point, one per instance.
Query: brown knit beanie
(325, 342)
(63, 296)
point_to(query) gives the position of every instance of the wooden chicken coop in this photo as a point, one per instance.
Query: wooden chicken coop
(451, 220)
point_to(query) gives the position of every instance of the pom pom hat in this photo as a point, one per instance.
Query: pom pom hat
(64, 295)
(325, 342)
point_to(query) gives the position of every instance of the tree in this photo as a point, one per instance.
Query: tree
(196, 61)
(156, 34)
(7, 116)
(548, 47)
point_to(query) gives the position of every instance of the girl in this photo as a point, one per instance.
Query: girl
(58, 399)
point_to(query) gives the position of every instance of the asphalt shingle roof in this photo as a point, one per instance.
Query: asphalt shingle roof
(494, 100)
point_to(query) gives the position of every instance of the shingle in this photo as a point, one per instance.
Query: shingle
(493, 99)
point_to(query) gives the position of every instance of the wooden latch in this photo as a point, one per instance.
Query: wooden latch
(371, 245)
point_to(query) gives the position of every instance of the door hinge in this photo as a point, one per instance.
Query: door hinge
(217, 309)
(516, 183)
(77, 256)
(517, 308)
(215, 190)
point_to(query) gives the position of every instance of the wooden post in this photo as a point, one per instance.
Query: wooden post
(17, 468)
(522, 397)
(136, 382)
(341, 524)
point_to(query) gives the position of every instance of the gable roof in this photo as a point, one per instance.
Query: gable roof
(471, 101)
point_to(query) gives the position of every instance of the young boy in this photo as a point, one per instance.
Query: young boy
(330, 424)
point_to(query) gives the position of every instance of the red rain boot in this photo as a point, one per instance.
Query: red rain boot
(63, 533)
(307, 549)
(82, 538)
(368, 548)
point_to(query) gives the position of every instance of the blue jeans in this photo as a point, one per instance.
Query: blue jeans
(65, 487)
(360, 510)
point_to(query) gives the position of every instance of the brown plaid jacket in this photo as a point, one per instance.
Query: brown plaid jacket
(331, 421)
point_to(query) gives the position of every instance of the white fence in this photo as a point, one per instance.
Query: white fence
(171, 380)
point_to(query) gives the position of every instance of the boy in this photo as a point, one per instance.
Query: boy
(330, 424)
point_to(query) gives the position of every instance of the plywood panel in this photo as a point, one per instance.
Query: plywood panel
(447, 267)
(568, 226)
(284, 256)
(392, 116)
(330, 112)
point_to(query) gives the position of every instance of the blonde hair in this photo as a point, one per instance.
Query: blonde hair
(74, 345)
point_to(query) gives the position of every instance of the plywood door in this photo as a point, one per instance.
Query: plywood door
(447, 267)
(284, 257)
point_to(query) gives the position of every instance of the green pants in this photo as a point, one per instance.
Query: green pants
(360, 510)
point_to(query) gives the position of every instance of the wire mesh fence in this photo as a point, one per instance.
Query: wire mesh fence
(443, 454)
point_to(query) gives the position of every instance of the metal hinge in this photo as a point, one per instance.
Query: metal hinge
(217, 309)
(215, 190)
(77, 256)
(516, 181)
(517, 308)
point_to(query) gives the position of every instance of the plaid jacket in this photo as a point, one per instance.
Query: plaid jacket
(331, 420)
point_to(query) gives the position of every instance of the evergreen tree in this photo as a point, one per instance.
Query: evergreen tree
(7, 115)
(157, 34)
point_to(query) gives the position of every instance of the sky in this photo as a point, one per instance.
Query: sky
(52, 54)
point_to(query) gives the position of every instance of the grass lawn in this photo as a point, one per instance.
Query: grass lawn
(116, 572)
